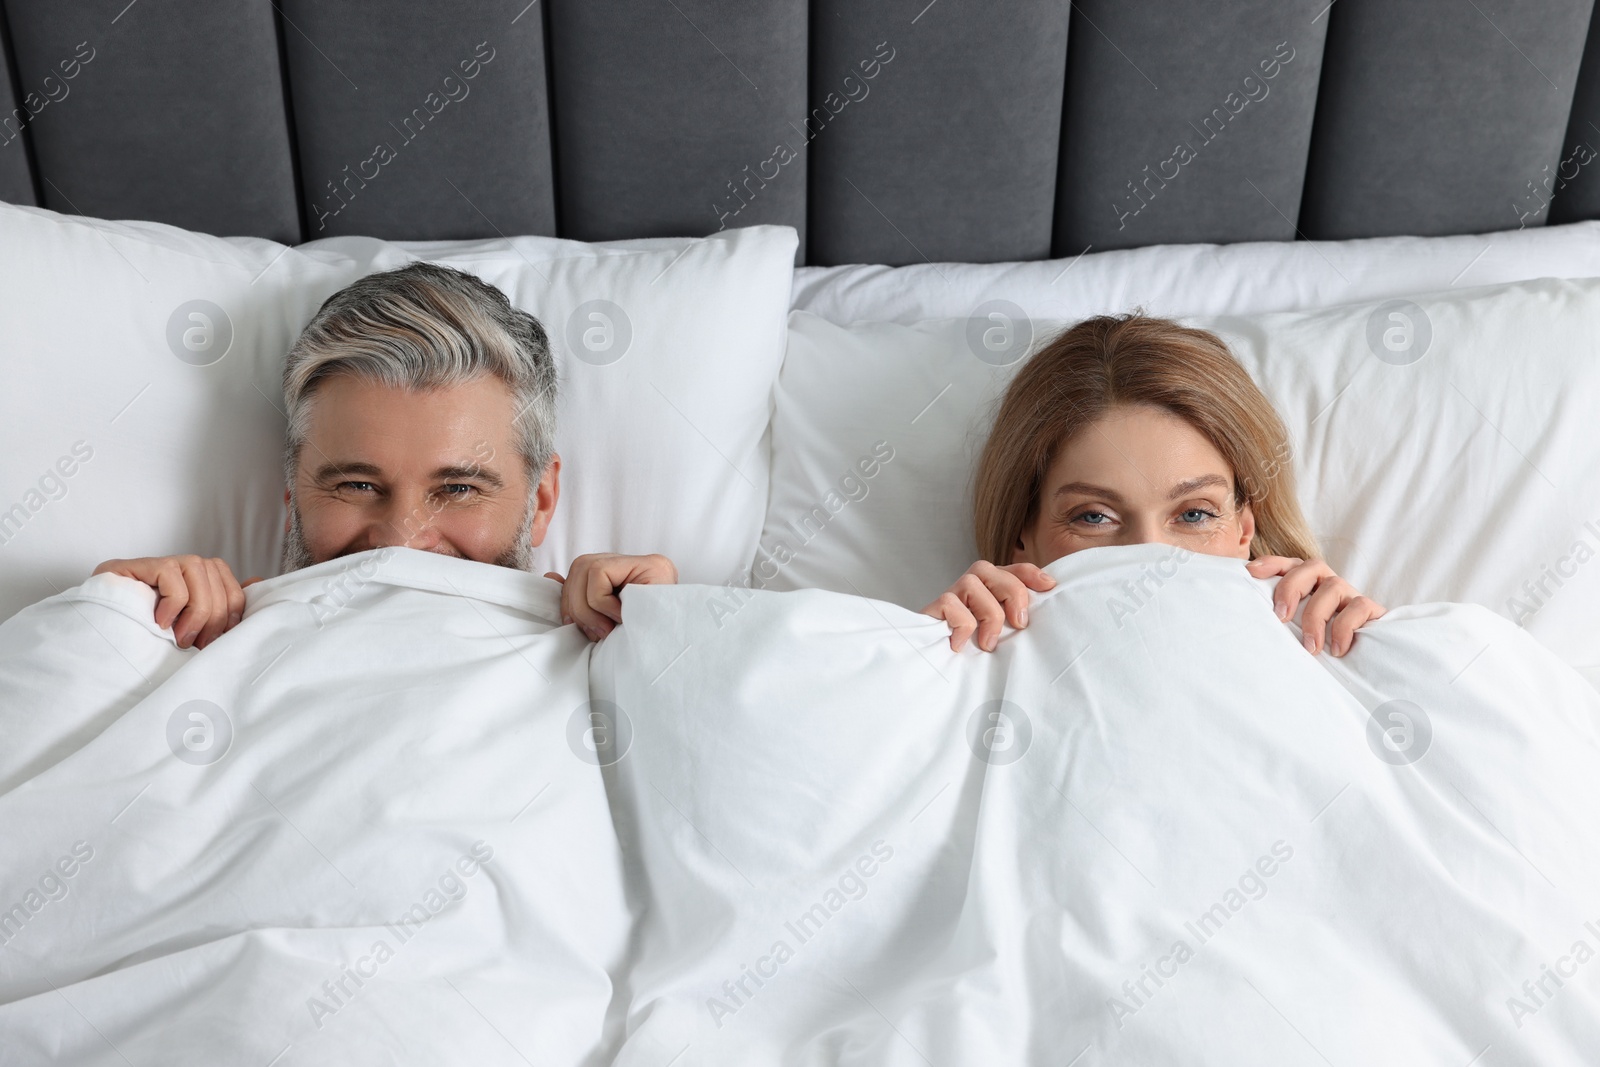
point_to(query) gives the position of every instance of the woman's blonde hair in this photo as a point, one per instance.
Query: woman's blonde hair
(1108, 361)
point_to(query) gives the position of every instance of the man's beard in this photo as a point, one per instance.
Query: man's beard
(518, 557)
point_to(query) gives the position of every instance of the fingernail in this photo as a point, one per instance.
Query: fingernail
(1022, 618)
(233, 619)
(1310, 643)
(988, 644)
(1283, 613)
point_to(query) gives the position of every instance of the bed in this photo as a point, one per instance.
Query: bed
(789, 256)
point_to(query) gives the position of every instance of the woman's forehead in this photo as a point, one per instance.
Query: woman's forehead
(1138, 452)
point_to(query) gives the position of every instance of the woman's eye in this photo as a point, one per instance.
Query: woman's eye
(1196, 516)
(1092, 518)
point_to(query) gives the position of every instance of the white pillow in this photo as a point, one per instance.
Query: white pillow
(1173, 280)
(1469, 474)
(142, 407)
(668, 351)
(875, 430)
(120, 441)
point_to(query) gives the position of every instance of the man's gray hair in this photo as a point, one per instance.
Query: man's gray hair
(425, 326)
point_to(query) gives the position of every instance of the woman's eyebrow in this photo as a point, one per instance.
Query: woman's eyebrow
(1185, 488)
(1086, 489)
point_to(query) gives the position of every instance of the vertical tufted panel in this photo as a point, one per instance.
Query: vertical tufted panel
(670, 114)
(1434, 115)
(175, 113)
(419, 120)
(950, 153)
(1187, 123)
(16, 183)
(1571, 188)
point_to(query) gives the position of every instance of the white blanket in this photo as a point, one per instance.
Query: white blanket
(350, 831)
(790, 828)
(1149, 829)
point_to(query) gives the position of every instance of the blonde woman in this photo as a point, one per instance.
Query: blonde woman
(1131, 430)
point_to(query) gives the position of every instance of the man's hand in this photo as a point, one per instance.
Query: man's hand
(589, 591)
(984, 598)
(197, 599)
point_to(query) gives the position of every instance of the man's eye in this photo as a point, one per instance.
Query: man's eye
(360, 487)
(458, 490)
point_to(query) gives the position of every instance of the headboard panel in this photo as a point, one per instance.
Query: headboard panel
(660, 106)
(175, 113)
(427, 120)
(1435, 114)
(1202, 137)
(950, 152)
(894, 131)
(16, 183)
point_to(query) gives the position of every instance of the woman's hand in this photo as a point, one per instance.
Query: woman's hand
(984, 598)
(589, 591)
(1330, 598)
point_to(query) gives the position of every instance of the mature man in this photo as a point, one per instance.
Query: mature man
(421, 410)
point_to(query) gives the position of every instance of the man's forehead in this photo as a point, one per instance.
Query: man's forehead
(481, 407)
(380, 428)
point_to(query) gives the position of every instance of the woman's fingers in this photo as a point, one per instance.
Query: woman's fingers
(1268, 566)
(1300, 577)
(1332, 604)
(956, 615)
(982, 604)
(1033, 577)
(985, 598)
(1355, 614)
(1331, 594)
(1005, 588)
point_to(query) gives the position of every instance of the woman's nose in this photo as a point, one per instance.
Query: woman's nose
(1143, 531)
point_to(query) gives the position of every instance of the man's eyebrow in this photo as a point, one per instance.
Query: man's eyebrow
(472, 472)
(1086, 489)
(1185, 488)
(454, 473)
(329, 471)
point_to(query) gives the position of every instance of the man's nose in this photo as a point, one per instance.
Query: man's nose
(407, 522)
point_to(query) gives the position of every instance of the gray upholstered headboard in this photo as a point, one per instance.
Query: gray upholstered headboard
(892, 131)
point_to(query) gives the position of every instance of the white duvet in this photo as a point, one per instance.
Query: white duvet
(376, 847)
(1148, 829)
(790, 828)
